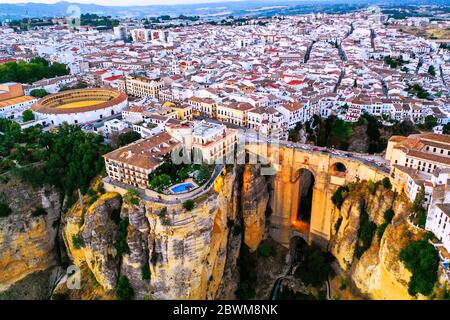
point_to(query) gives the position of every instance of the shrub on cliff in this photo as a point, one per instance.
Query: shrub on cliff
(386, 183)
(248, 276)
(5, 210)
(338, 224)
(162, 214)
(421, 258)
(265, 250)
(188, 205)
(146, 274)
(77, 241)
(131, 197)
(380, 231)
(366, 232)
(420, 214)
(39, 212)
(372, 187)
(121, 244)
(315, 266)
(388, 215)
(124, 291)
(339, 196)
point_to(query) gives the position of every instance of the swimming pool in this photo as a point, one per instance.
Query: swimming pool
(184, 187)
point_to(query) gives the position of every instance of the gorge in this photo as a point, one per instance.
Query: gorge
(239, 238)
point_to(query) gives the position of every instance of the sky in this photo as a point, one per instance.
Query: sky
(121, 2)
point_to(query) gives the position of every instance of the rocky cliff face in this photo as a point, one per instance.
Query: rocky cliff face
(90, 234)
(186, 251)
(379, 273)
(255, 197)
(28, 234)
(192, 254)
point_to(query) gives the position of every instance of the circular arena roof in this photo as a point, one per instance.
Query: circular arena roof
(78, 101)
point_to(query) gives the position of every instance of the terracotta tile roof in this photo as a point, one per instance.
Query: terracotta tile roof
(145, 153)
(14, 101)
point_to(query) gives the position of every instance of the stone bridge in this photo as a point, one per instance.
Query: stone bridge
(303, 185)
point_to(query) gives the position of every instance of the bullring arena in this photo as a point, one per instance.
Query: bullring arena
(80, 106)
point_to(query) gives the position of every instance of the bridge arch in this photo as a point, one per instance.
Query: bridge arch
(303, 197)
(338, 169)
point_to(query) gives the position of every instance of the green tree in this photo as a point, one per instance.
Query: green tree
(160, 182)
(421, 258)
(27, 115)
(188, 205)
(446, 129)
(203, 174)
(126, 138)
(430, 122)
(38, 93)
(404, 128)
(36, 69)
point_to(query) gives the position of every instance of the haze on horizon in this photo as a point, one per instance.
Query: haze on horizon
(132, 2)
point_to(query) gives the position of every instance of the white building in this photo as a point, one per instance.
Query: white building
(114, 126)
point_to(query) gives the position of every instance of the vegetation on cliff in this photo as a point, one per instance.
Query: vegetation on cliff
(368, 134)
(188, 205)
(266, 250)
(418, 210)
(131, 197)
(248, 277)
(330, 132)
(68, 158)
(124, 290)
(388, 216)
(421, 258)
(5, 210)
(146, 274)
(121, 243)
(315, 265)
(77, 241)
(339, 196)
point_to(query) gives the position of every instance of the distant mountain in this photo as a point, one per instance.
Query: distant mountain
(219, 9)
